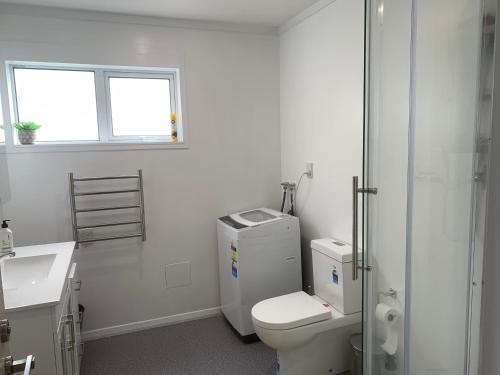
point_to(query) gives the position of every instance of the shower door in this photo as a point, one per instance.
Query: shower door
(425, 151)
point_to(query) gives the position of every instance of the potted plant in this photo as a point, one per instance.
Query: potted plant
(26, 131)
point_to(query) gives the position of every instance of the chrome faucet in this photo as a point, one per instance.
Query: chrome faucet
(10, 253)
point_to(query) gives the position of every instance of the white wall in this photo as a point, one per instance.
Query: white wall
(4, 180)
(322, 117)
(231, 83)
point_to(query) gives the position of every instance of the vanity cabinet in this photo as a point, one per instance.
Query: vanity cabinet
(51, 332)
(68, 328)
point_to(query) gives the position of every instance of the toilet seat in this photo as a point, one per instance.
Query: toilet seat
(290, 321)
(290, 311)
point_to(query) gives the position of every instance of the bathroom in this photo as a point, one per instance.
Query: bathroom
(399, 93)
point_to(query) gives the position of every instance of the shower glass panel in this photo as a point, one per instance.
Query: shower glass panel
(387, 87)
(426, 151)
(446, 69)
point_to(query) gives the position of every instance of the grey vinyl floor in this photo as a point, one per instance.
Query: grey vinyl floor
(201, 347)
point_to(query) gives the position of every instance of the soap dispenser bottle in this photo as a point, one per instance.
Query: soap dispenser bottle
(6, 238)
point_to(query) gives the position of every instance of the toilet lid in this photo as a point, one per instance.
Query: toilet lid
(289, 311)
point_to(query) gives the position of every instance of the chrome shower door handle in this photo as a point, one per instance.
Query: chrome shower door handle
(355, 191)
(355, 228)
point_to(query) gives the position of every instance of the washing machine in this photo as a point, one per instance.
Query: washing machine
(259, 258)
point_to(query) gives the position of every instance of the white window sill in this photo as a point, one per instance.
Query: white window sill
(93, 146)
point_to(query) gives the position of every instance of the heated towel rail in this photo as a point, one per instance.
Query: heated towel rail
(137, 190)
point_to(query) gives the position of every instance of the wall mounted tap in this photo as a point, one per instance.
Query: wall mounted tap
(10, 253)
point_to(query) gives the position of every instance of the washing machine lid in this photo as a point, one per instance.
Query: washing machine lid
(289, 311)
(256, 217)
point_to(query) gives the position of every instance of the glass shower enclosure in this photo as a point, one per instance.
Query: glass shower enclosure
(428, 91)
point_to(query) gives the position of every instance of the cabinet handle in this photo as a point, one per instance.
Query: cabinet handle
(64, 362)
(79, 287)
(69, 320)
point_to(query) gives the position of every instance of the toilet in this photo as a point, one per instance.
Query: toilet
(311, 333)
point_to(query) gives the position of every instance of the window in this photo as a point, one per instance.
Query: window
(140, 105)
(62, 101)
(96, 104)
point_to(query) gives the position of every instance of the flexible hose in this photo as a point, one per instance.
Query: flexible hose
(292, 209)
(284, 199)
(297, 189)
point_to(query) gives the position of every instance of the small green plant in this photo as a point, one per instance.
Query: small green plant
(26, 125)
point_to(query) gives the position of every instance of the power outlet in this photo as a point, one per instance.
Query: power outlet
(310, 170)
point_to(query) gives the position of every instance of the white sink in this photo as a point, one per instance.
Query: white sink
(25, 272)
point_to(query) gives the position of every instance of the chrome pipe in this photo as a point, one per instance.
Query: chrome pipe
(106, 192)
(109, 224)
(73, 207)
(111, 208)
(141, 197)
(111, 238)
(124, 177)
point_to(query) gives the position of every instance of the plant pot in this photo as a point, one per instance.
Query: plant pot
(26, 137)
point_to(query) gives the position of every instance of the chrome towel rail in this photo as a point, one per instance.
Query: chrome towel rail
(138, 191)
(111, 238)
(107, 192)
(111, 208)
(109, 224)
(125, 177)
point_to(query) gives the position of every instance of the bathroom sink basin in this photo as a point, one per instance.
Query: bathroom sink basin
(26, 271)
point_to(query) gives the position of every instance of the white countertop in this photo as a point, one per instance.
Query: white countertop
(32, 295)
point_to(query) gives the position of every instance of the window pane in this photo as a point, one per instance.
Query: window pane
(62, 101)
(140, 106)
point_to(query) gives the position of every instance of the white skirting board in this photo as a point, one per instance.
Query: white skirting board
(147, 324)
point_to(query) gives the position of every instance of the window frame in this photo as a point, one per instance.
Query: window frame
(15, 108)
(120, 74)
(102, 73)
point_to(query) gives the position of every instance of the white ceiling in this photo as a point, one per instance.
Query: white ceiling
(260, 12)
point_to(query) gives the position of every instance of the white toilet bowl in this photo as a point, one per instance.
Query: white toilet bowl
(289, 321)
(311, 333)
(308, 334)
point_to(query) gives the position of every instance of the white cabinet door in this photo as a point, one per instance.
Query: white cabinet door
(74, 286)
(62, 337)
(66, 338)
